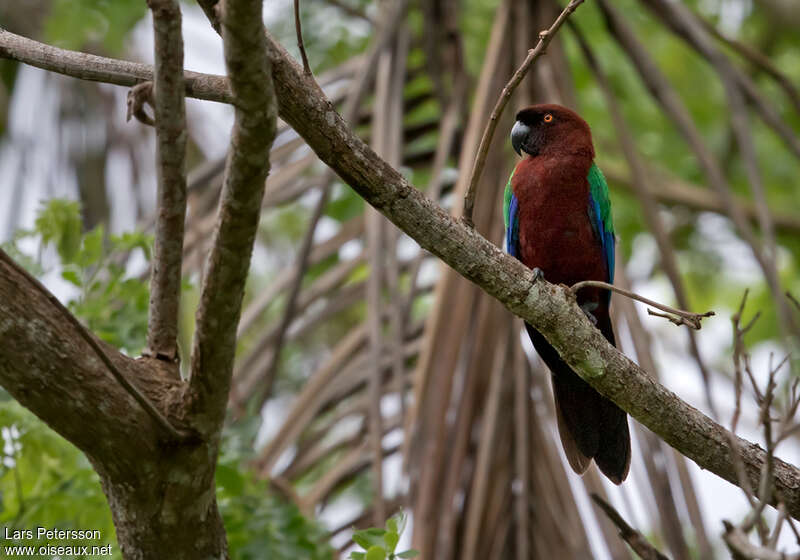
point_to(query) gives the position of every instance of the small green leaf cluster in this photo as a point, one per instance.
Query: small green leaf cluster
(81, 24)
(111, 303)
(259, 523)
(380, 544)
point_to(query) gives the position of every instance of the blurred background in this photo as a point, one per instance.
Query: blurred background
(349, 330)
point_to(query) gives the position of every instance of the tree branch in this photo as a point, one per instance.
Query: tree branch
(677, 316)
(38, 331)
(246, 171)
(483, 149)
(634, 538)
(299, 31)
(170, 123)
(101, 69)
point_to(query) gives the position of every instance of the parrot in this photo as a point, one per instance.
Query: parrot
(557, 215)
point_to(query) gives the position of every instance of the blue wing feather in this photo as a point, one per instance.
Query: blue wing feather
(512, 227)
(606, 237)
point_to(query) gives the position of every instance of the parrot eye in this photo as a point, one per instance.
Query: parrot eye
(548, 118)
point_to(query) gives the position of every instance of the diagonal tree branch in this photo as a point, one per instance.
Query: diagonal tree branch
(32, 318)
(170, 124)
(246, 171)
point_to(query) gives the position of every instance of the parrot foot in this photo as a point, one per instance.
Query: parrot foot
(538, 274)
(587, 309)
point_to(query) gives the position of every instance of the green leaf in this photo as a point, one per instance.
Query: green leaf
(391, 538)
(92, 248)
(59, 223)
(367, 538)
(72, 277)
(375, 553)
(410, 553)
(357, 556)
(397, 523)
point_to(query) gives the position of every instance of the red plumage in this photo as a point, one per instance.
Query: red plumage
(557, 235)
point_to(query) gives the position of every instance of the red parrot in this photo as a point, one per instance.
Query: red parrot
(558, 222)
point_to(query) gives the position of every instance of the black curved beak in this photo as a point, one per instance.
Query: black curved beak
(518, 135)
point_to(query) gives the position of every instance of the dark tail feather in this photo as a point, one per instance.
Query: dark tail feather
(590, 425)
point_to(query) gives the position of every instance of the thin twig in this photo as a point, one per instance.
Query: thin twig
(677, 316)
(742, 549)
(634, 538)
(480, 161)
(298, 29)
(143, 401)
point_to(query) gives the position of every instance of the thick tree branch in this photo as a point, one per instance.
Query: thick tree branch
(101, 69)
(483, 149)
(170, 123)
(38, 332)
(246, 171)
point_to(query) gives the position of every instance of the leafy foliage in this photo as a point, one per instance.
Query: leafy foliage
(380, 544)
(259, 523)
(74, 24)
(111, 302)
(46, 481)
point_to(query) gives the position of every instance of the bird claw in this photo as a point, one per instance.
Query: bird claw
(587, 309)
(538, 274)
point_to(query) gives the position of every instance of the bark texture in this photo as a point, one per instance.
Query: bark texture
(170, 111)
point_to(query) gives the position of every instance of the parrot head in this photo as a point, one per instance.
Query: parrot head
(551, 129)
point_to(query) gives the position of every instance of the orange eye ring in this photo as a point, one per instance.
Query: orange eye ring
(548, 118)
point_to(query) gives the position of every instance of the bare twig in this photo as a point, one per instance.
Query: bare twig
(299, 30)
(170, 124)
(742, 549)
(239, 211)
(137, 395)
(544, 39)
(634, 538)
(677, 316)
